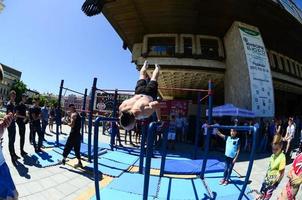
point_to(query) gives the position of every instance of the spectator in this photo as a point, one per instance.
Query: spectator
(51, 118)
(179, 127)
(172, 133)
(22, 120)
(205, 132)
(185, 129)
(290, 133)
(45, 117)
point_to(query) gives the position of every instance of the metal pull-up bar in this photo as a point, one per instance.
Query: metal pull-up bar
(184, 89)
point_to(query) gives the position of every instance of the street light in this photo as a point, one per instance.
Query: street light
(94, 7)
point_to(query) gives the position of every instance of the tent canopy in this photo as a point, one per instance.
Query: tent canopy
(231, 110)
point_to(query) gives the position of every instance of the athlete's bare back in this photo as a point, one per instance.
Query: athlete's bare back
(143, 104)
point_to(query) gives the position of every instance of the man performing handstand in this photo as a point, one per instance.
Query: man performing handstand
(143, 104)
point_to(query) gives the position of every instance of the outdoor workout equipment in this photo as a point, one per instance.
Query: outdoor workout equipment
(59, 117)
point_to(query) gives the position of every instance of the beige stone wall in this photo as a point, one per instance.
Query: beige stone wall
(237, 80)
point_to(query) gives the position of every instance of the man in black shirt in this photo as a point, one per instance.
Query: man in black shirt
(74, 139)
(21, 120)
(12, 128)
(35, 113)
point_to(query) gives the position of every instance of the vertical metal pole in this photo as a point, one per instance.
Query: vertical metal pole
(84, 114)
(114, 115)
(90, 123)
(142, 152)
(210, 119)
(59, 113)
(164, 153)
(250, 167)
(197, 128)
(95, 158)
(151, 131)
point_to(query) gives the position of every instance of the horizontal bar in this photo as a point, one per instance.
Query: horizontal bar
(184, 89)
(112, 90)
(238, 128)
(73, 91)
(106, 119)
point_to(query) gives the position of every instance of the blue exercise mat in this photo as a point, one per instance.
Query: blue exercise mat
(60, 151)
(109, 194)
(45, 159)
(231, 191)
(110, 167)
(186, 166)
(177, 189)
(120, 157)
(133, 183)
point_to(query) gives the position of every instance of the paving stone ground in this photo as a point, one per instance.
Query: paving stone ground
(65, 182)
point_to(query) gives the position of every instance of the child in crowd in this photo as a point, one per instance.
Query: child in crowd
(172, 133)
(295, 180)
(275, 170)
(232, 150)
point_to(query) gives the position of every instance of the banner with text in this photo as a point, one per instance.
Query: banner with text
(263, 104)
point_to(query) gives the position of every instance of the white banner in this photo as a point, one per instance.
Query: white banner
(263, 104)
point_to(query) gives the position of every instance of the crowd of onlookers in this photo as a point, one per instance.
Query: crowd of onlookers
(288, 128)
(36, 115)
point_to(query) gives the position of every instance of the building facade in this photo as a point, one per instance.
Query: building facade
(250, 49)
(10, 76)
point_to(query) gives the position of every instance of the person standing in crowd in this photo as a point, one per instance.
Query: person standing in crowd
(12, 128)
(290, 134)
(74, 139)
(271, 133)
(45, 117)
(179, 126)
(205, 132)
(214, 139)
(292, 187)
(264, 141)
(7, 186)
(52, 116)
(275, 170)
(184, 128)
(22, 120)
(232, 150)
(35, 112)
(172, 133)
(58, 118)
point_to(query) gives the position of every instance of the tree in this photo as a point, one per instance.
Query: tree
(19, 88)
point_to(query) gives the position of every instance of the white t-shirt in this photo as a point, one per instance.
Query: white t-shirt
(291, 131)
(205, 127)
(215, 130)
(2, 161)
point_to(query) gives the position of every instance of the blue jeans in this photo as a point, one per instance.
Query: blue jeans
(228, 168)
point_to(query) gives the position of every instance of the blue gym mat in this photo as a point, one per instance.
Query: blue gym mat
(133, 183)
(110, 167)
(186, 166)
(120, 157)
(45, 159)
(109, 194)
(231, 191)
(189, 189)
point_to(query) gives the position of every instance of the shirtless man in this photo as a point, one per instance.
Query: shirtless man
(143, 104)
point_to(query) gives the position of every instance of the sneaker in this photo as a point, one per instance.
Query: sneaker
(79, 165)
(221, 182)
(225, 183)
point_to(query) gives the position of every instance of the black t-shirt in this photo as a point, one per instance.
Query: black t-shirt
(35, 111)
(21, 109)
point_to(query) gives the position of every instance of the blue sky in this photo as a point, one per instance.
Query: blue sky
(50, 40)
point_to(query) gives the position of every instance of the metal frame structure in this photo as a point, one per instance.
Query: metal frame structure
(60, 107)
(150, 139)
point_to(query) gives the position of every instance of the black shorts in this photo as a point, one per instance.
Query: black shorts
(150, 89)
